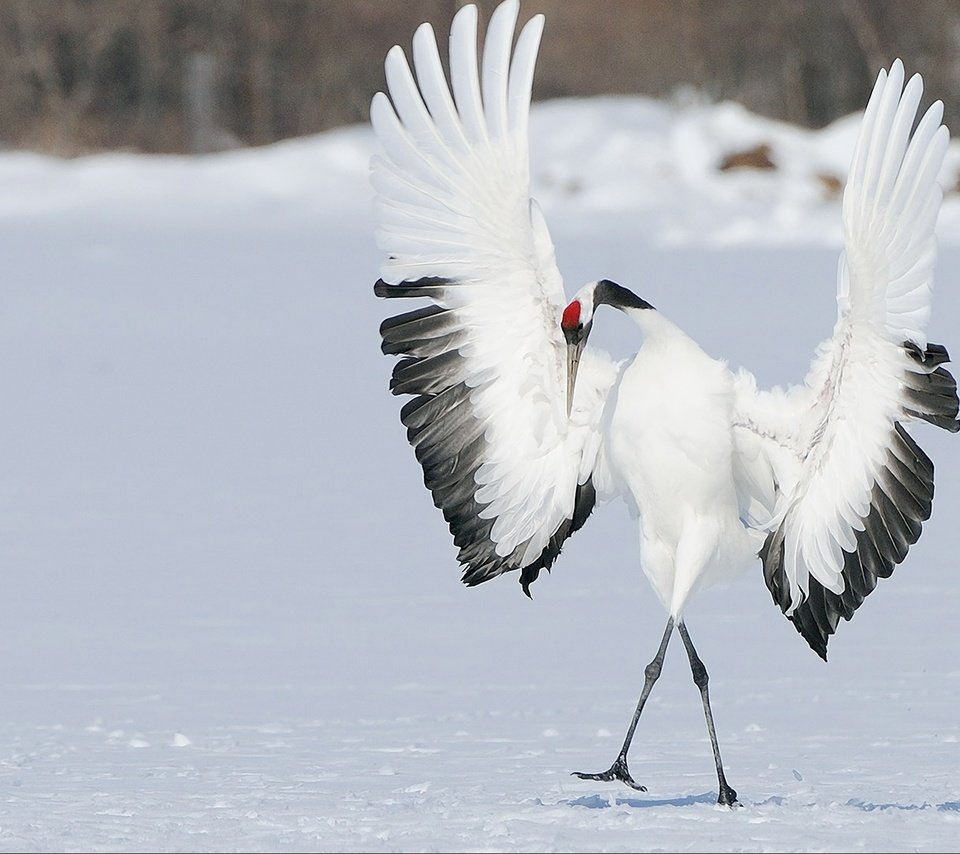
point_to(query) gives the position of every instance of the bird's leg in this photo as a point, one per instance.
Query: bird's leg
(619, 770)
(727, 796)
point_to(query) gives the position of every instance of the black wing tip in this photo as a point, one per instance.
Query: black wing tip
(525, 584)
(806, 625)
(471, 578)
(771, 557)
(474, 576)
(933, 356)
(932, 390)
(584, 501)
(478, 567)
(410, 287)
(901, 501)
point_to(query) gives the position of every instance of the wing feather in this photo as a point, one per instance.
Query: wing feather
(520, 83)
(842, 488)
(433, 87)
(877, 143)
(496, 68)
(412, 111)
(484, 360)
(465, 75)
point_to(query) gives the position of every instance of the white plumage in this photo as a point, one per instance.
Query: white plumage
(520, 427)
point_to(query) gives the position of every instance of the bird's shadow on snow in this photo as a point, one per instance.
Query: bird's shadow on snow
(599, 802)
(868, 806)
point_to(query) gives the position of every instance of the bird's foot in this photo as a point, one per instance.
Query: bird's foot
(618, 771)
(727, 797)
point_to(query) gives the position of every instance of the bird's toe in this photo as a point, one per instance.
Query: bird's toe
(728, 797)
(617, 771)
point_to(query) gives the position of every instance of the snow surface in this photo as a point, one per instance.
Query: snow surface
(232, 618)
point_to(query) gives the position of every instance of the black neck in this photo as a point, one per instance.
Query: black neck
(610, 293)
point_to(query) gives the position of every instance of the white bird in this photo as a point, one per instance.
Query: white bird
(520, 427)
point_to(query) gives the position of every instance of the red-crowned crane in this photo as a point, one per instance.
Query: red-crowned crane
(520, 427)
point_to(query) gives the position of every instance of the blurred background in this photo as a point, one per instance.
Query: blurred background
(193, 76)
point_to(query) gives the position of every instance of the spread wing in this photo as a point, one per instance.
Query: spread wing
(484, 358)
(828, 469)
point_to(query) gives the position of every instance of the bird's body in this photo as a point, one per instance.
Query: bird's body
(669, 436)
(521, 427)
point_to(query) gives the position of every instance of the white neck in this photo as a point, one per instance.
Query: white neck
(652, 323)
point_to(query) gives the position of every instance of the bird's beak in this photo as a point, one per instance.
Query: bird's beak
(574, 349)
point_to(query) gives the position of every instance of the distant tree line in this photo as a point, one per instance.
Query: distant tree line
(202, 75)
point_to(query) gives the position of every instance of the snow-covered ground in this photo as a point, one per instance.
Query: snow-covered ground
(232, 619)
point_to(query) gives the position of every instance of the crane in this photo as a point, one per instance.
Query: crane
(521, 428)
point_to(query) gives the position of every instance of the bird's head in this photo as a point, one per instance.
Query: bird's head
(577, 321)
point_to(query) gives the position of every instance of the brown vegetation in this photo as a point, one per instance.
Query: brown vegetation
(197, 75)
(757, 157)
